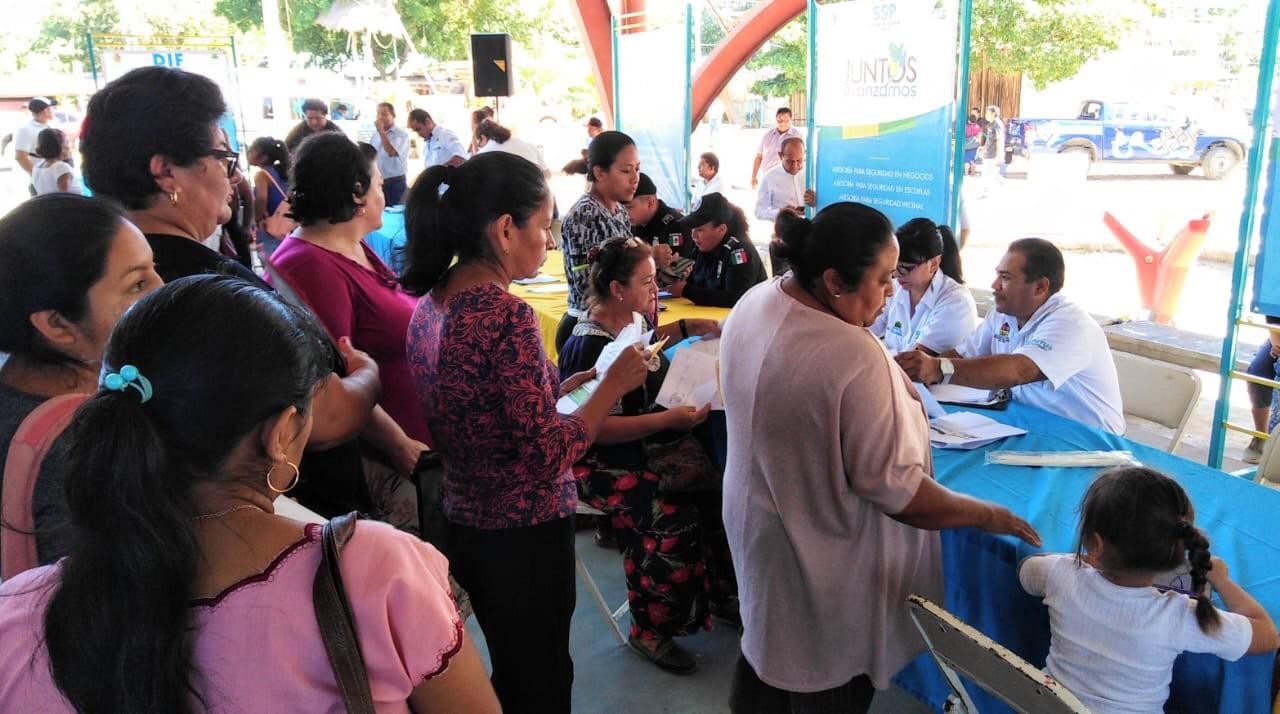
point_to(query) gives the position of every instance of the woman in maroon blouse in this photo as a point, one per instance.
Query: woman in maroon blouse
(489, 396)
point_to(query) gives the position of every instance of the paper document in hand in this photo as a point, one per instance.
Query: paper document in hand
(956, 394)
(966, 430)
(693, 380)
(632, 334)
(931, 406)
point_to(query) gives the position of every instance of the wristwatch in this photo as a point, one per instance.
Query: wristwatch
(948, 369)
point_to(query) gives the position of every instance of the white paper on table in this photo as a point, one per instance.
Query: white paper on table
(630, 335)
(957, 394)
(1065, 459)
(692, 380)
(536, 280)
(550, 289)
(966, 430)
(931, 406)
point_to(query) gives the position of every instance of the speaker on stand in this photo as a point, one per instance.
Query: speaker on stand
(491, 72)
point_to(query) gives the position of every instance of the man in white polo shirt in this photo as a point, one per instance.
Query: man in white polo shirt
(1046, 349)
(441, 146)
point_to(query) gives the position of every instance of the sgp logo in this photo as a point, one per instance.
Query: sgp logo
(883, 12)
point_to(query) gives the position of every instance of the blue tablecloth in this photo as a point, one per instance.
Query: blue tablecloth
(982, 587)
(388, 240)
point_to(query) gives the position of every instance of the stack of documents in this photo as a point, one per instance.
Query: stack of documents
(693, 380)
(956, 394)
(966, 430)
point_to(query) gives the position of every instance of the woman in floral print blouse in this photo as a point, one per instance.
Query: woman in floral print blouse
(489, 396)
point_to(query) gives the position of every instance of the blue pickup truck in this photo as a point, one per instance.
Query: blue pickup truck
(1134, 132)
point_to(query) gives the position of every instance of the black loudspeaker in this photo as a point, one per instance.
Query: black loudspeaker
(491, 65)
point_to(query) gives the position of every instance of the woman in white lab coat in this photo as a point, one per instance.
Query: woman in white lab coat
(932, 310)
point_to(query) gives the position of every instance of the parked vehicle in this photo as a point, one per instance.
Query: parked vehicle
(1133, 132)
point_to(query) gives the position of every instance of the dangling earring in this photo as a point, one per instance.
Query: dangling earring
(173, 198)
(292, 482)
(836, 296)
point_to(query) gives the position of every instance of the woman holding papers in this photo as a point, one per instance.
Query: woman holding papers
(662, 540)
(932, 310)
(489, 396)
(829, 498)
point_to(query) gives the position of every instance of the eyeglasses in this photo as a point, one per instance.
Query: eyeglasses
(231, 157)
(905, 269)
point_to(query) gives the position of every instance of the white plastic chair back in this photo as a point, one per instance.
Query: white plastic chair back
(1158, 391)
(961, 650)
(1269, 466)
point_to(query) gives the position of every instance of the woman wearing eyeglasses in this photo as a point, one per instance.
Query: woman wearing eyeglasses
(173, 171)
(931, 310)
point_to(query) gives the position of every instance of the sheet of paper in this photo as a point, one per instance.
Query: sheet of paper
(550, 289)
(966, 430)
(631, 334)
(536, 280)
(692, 380)
(956, 394)
(931, 406)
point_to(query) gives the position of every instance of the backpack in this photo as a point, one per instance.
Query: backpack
(31, 443)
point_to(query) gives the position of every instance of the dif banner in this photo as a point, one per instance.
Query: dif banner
(1266, 274)
(884, 103)
(653, 108)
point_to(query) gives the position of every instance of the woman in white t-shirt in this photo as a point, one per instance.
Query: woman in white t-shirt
(1114, 634)
(492, 136)
(52, 174)
(932, 310)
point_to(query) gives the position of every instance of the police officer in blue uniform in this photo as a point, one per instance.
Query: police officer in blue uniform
(727, 264)
(658, 224)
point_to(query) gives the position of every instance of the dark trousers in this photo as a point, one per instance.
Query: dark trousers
(521, 583)
(393, 189)
(1263, 365)
(749, 695)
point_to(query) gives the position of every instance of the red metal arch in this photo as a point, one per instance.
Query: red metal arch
(713, 74)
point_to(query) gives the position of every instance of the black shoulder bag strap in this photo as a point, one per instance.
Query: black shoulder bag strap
(337, 622)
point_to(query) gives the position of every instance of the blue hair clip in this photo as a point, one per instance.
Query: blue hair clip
(128, 377)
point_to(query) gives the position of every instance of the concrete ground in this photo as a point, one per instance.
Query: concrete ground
(610, 678)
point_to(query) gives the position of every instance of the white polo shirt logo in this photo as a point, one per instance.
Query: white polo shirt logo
(1003, 334)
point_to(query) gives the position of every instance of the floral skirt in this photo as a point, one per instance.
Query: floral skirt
(665, 553)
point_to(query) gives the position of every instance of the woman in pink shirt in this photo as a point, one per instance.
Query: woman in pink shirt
(829, 494)
(183, 590)
(337, 200)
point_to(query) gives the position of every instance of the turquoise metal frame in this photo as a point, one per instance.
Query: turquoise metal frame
(810, 169)
(1248, 226)
(962, 113)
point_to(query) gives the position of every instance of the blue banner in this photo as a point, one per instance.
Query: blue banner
(884, 106)
(653, 67)
(1266, 273)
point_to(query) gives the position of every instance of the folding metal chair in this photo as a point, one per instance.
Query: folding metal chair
(961, 650)
(610, 615)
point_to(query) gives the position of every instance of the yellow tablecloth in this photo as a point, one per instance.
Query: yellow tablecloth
(551, 306)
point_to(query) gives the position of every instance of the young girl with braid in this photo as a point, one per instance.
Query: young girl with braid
(1116, 636)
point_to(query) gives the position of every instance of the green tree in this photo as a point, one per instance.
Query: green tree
(62, 33)
(785, 58)
(1048, 40)
(439, 29)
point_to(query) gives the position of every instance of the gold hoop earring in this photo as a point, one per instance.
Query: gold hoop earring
(173, 198)
(293, 482)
